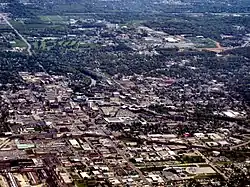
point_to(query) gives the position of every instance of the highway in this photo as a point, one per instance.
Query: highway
(16, 31)
(242, 144)
(26, 42)
(5, 142)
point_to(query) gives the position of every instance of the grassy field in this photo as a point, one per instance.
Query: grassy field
(4, 27)
(56, 19)
(79, 184)
(43, 45)
(20, 26)
(19, 43)
(37, 25)
(203, 42)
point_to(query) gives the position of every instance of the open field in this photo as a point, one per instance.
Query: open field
(203, 42)
(19, 43)
(56, 19)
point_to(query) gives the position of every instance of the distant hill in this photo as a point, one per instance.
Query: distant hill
(142, 6)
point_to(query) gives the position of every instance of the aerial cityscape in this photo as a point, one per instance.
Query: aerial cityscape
(124, 93)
